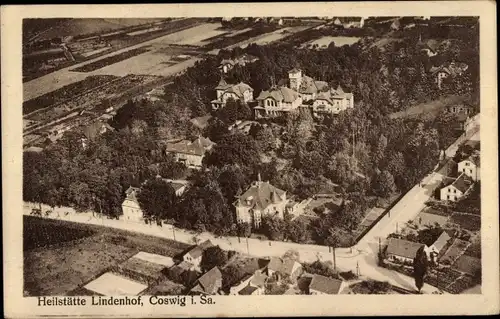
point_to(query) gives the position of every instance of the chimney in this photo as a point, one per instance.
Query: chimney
(259, 180)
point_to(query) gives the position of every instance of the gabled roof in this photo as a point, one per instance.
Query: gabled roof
(239, 89)
(309, 85)
(260, 195)
(196, 147)
(279, 94)
(325, 284)
(208, 281)
(131, 193)
(258, 279)
(475, 158)
(403, 248)
(222, 85)
(275, 264)
(462, 183)
(442, 240)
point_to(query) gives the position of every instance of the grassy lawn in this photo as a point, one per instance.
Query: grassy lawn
(61, 256)
(429, 109)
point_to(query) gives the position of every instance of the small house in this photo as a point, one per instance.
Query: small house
(190, 153)
(209, 283)
(321, 285)
(471, 166)
(436, 247)
(130, 206)
(457, 189)
(400, 250)
(195, 255)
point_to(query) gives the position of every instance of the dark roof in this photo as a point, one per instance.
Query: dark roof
(467, 264)
(325, 284)
(248, 290)
(279, 94)
(261, 195)
(309, 85)
(462, 183)
(208, 281)
(275, 264)
(403, 248)
(196, 147)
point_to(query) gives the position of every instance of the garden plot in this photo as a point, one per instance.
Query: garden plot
(270, 37)
(192, 36)
(110, 284)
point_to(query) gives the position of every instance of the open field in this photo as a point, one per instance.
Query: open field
(66, 92)
(429, 109)
(467, 221)
(110, 60)
(271, 37)
(65, 76)
(79, 253)
(82, 26)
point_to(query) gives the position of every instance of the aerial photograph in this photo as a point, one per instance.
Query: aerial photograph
(251, 156)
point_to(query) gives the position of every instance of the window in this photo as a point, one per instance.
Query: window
(463, 170)
(466, 163)
(470, 171)
(454, 191)
(449, 190)
(447, 196)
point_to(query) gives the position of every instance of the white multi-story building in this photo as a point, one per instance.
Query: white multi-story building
(277, 101)
(471, 167)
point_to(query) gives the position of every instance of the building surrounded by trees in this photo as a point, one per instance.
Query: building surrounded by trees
(260, 199)
(238, 92)
(190, 153)
(131, 209)
(277, 101)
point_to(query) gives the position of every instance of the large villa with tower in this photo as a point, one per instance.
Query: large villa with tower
(302, 91)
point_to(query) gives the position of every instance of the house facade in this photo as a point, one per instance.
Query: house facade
(190, 153)
(260, 199)
(457, 189)
(471, 167)
(433, 250)
(237, 92)
(195, 255)
(130, 207)
(277, 101)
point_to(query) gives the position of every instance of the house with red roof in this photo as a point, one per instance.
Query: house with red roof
(190, 153)
(260, 199)
(456, 189)
(237, 92)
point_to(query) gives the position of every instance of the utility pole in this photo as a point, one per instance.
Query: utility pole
(357, 269)
(248, 248)
(379, 247)
(334, 259)
(173, 231)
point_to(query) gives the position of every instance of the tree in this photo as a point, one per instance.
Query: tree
(273, 227)
(420, 264)
(156, 197)
(244, 229)
(213, 257)
(231, 275)
(237, 149)
(383, 184)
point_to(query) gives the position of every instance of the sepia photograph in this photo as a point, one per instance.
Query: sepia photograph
(173, 159)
